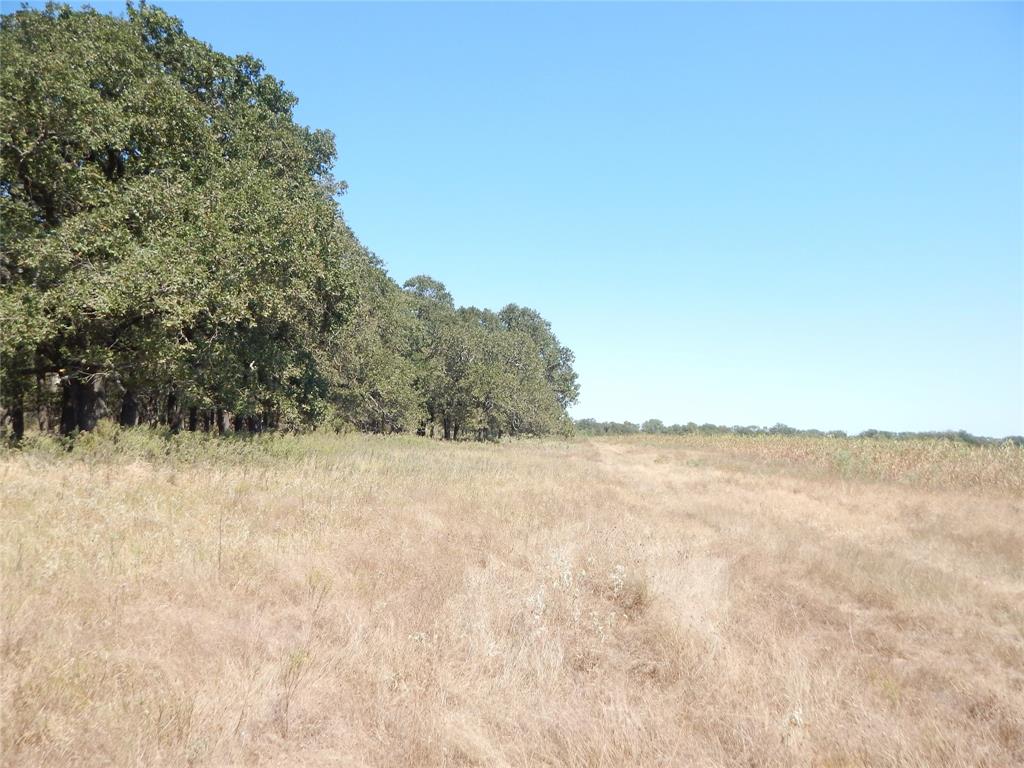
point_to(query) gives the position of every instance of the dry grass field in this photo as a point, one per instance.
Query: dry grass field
(350, 600)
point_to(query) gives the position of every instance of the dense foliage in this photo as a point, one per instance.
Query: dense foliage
(172, 252)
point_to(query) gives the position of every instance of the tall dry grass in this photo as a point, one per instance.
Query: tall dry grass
(937, 463)
(328, 600)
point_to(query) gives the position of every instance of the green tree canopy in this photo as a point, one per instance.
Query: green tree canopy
(172, 249)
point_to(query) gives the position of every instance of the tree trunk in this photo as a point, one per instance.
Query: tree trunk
(17, 415)
(446, 422)
(129, 410)
(193, 418)
(222, 421)
(239, 422)
(78, 406)
(42, 411)
(455, 431)
(173, 414)
(68, 423)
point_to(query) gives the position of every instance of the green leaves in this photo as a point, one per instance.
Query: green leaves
(485, 372)
(170, 236)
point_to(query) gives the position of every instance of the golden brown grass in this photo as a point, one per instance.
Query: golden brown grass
(359, 601)
(936, 463)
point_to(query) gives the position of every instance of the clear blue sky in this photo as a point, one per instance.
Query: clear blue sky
(743, 214)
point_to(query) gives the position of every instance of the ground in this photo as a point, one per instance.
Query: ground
(351, 600)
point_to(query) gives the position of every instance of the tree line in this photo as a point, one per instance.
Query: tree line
(593, 428)
(172, 252)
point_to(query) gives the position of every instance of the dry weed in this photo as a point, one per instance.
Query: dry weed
(350, 600)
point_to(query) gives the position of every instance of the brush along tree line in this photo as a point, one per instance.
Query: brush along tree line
(173, 253)
(593, 428)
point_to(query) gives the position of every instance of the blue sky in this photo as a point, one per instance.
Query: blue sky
(737, 213)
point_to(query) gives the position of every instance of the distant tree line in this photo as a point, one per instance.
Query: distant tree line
(172, 252)
(592, 427)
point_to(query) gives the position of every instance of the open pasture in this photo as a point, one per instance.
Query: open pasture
(348, 600)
